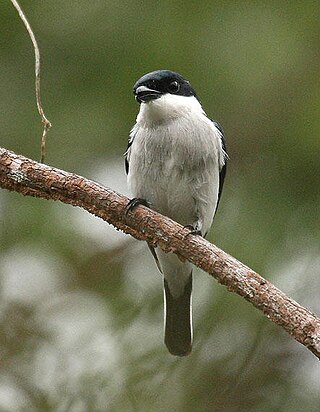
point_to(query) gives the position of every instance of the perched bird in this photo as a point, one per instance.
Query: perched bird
(176, 164)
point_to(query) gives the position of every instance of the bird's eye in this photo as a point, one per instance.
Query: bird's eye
(174, 87)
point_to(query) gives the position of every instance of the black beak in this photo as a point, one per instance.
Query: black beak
(143, 94)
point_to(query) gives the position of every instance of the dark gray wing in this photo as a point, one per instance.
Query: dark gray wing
(223, 170)
(127, 152)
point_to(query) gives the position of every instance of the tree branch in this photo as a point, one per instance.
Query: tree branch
(20, 174)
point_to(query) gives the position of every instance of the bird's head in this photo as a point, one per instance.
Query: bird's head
(164, 94)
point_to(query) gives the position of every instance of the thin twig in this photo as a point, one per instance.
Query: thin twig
(34, 179)
(45, 121)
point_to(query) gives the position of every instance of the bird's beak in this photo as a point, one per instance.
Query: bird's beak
(143, 94)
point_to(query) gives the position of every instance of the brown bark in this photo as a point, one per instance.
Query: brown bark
(31, 178)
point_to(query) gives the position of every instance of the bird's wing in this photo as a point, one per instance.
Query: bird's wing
(223, 169)
(126, 164)
(127, 152)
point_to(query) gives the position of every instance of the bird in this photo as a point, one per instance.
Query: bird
(176, 164)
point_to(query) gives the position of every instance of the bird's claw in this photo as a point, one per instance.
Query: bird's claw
(134, 202)
(193, 231)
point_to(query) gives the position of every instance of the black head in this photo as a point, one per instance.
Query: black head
(153, 85)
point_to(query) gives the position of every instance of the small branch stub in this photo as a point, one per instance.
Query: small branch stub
(45, 121)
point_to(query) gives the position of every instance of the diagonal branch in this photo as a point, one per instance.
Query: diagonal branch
(20, 174)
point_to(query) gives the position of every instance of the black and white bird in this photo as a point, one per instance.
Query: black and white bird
(176, 162)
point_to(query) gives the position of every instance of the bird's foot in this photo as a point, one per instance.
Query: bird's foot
(193, 231)
(134, 202)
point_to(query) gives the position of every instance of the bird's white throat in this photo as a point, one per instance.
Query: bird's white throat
(167, 108)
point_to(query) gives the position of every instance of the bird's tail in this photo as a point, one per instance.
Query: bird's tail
(178, 320)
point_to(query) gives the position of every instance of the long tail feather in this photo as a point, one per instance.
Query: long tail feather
(178, 321)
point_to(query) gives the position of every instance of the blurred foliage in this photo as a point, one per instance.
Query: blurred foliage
(81, 304)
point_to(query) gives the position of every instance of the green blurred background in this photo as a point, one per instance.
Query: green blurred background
(81, 314)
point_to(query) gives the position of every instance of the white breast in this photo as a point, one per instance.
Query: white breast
(175, 159)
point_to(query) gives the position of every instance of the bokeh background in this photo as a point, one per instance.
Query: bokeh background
(81, 316)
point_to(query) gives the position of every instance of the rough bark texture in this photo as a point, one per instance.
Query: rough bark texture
(20, 174)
